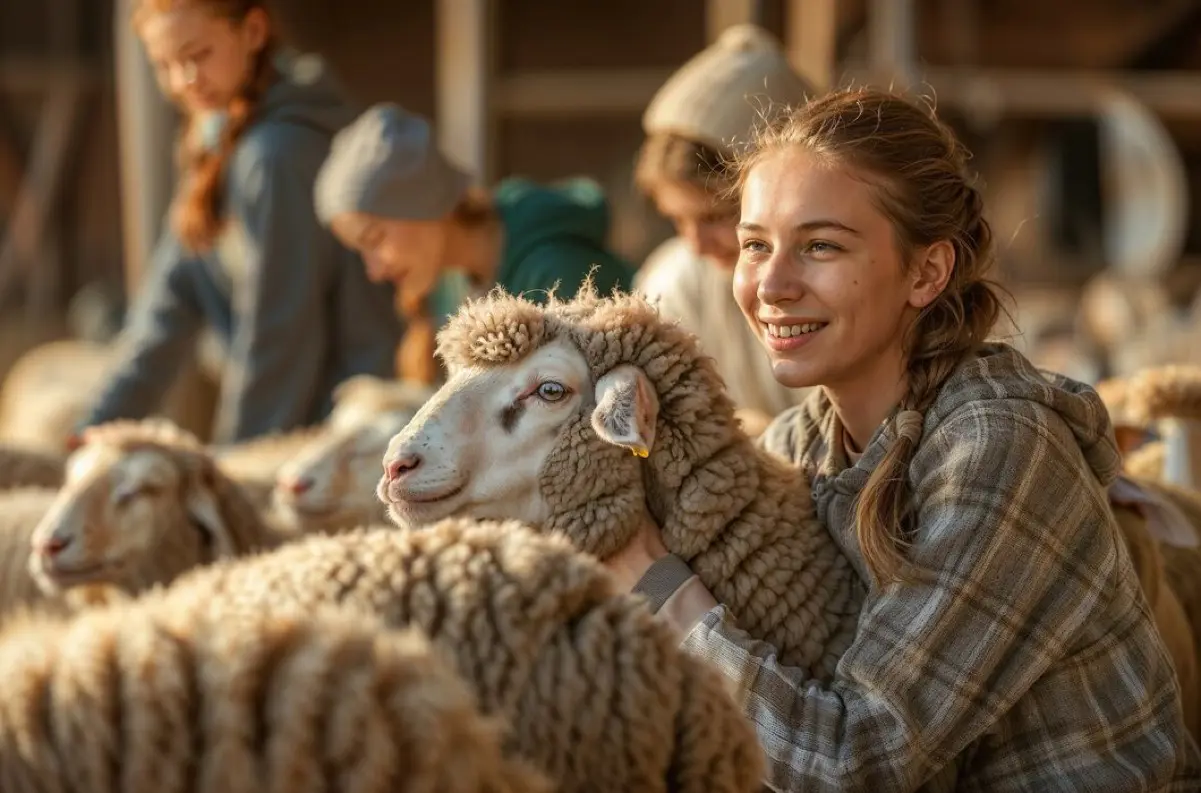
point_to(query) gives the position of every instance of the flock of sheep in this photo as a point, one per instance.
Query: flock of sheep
(179, 616)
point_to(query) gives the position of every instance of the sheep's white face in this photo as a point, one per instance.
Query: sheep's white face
(334, 480)
(120, 514)
(478, 447)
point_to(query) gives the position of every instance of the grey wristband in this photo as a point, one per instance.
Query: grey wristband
(662, 579)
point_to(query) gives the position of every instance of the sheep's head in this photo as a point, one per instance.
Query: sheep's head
(333, 481)
(575, 416)
(141, 504)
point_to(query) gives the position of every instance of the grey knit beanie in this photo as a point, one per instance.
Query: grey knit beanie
(719, 96)
(387, 163)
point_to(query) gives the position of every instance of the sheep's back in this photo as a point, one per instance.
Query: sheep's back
(208, 697)
(593, 684)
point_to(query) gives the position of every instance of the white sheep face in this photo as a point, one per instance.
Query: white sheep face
(118, 520)
(334, 480)
(478, 447)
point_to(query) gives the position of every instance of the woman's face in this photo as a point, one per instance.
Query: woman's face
(704, 225)
(408, 253)
(820, 276)
(202, 60)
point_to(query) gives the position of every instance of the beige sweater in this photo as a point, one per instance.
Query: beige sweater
(700, 295)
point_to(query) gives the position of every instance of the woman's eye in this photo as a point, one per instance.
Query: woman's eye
(821, 248)
(754, 246)
(550, 391)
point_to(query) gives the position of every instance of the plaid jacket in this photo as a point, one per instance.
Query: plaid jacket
(1025, 659)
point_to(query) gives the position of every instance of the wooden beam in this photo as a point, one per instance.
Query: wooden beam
(811, 39)
(564, 93)
(465, 64)
(38, 75)
(892, 40)
(721, 14)
(146, 124)
(22, 250)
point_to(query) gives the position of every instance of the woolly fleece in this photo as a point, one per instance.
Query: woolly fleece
(206, 698)
(595, 689)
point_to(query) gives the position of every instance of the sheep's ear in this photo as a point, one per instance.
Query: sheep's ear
(626, 409)
(202, 505)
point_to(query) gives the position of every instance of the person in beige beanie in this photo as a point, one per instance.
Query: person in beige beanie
(696, 122)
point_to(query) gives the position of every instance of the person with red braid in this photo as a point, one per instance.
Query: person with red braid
(243, 251)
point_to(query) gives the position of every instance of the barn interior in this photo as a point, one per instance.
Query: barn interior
(1084, 119)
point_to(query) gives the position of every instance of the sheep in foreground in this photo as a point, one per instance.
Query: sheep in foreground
(595, 690)
(330, 485)
(208, 698)
(537, 422)
(142, 503)
(28, 467)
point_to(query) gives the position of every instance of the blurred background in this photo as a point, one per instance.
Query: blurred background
(1084, 117)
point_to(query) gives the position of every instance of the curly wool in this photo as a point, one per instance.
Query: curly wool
(596, 692)
(1172, 391)
(21, 467)
(740, 517)
(1147, 461)
(206, 697)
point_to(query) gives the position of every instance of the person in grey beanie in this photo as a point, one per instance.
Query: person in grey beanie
(388, 192)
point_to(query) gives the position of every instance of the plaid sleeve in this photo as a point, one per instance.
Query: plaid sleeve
(1024, 634)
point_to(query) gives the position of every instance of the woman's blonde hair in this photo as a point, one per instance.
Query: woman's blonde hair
(919, 175)
(196, 212)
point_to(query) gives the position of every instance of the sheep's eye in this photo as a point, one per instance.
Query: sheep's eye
(550, 391)
(129, 494)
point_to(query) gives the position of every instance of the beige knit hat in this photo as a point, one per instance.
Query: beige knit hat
(722, 93)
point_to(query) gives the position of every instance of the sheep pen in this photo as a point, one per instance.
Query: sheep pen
(206, 697)
(596, 692)
(592, 415)
(30, 467)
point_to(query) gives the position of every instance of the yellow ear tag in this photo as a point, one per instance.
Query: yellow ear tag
(641, 451)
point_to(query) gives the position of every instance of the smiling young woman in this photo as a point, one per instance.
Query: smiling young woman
(1004, 643)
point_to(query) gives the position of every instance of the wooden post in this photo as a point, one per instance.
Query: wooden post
(811, 39)
(146, 128)
(721, 14)
(465, 65)
(892, 39)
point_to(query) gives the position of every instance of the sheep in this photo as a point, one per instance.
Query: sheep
(595, 690)
(21, 510)
(1171, 619)
(25, 467)
(259, 464)
(210, 698)
(330, 485)
(45, 394)
(537, 421)
(142, 503)
(1169, 397)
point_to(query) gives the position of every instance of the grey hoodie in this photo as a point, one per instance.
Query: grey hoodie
(292, 307)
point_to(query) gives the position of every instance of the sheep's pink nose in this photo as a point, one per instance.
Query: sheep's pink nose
(55, 545)
(298, 486)
(399, 466)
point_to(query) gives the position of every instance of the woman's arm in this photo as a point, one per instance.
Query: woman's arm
(163, 320)
(1020, 560)
(281, 323)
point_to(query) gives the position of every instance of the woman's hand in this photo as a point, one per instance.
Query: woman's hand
(630, 563)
